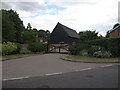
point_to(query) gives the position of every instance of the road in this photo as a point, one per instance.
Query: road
(42, 64)
(99, 77)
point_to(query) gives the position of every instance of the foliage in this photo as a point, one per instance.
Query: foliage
(88, 35)
(42, 34)
(29, 36)
(18, 24)
(8, 48)
(12, 26)
(107, 34)
(29, 27)
(110, 44)
(8, 29)
(84, 52)
(102, 54)
(18, 49)
(48, 35)
(25, 52)
(94, 49)
(37, 47)
(75, 49)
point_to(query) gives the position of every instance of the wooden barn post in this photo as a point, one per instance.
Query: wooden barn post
(47, 45)
(59, 49)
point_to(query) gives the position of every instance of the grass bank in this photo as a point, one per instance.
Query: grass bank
(16, 56)
(90, 59)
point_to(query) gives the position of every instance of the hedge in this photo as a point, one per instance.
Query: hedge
(75, 49)
(37, 47)
(111, 45)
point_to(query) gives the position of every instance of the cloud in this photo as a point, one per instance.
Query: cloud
(24, 6)
(80, 15)
(66, 3)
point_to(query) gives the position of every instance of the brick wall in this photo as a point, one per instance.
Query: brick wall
(115, 33)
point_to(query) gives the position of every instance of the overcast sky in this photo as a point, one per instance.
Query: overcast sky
(80, 15)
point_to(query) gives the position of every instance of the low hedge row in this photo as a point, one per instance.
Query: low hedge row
(37, 47)
(75, 49)
(8, 48)
(87, 50)
(110, 44)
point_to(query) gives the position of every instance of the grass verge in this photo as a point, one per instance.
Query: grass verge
(15, 56)
(91, 59)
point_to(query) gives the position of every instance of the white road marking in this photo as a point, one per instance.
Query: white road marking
(53, 73)
(107, 65)
(84, 69)
(16, 78)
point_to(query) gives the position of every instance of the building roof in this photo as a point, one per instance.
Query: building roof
(70, 32)
(114, 29)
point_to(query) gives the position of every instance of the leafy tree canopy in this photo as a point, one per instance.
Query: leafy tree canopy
(29, 27)
(8, 29)
(29, 36)
(42, 33)
(11, 25)
(88, 35)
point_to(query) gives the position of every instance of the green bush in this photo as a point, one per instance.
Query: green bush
(8, 48)
(75, 49)
(98, 54)
(102, 54)
(25, 52)
(18, 49)
(107, 54)
(37, 47)
(110, 44)
(94, 49)
(84, 52)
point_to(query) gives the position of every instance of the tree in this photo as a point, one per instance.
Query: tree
(18, 24)
(29, 27)
(34, 29)
(42, 33)
(8, 29)
(107, 34)
(29, 36)
(88, 35)
(48, 35)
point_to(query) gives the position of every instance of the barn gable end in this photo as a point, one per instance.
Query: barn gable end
(63, 35)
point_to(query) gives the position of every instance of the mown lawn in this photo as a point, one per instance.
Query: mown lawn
(15, 56)
(86, 58)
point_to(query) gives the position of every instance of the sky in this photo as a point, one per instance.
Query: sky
(80, 15)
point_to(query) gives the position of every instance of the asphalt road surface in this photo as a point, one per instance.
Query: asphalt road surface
(98, 77)
(41, 65)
